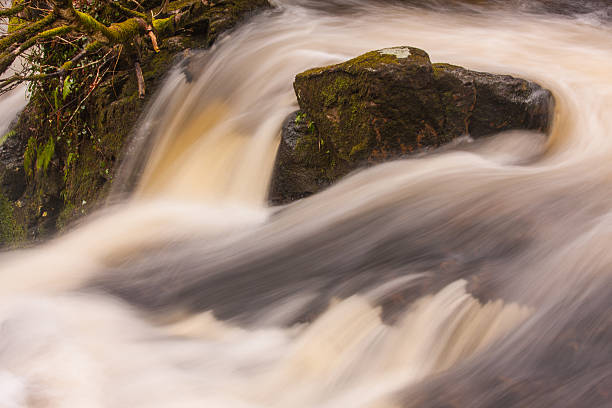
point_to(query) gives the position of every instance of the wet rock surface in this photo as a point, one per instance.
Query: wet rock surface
(388, 104)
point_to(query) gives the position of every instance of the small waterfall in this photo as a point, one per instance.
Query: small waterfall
(476, 276)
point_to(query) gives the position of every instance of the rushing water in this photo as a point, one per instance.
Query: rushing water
(13, 102)
(476, 277)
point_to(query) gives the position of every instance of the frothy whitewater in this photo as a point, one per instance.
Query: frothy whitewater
(480, 276)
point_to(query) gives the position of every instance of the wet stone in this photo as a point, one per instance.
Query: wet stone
(391, 103)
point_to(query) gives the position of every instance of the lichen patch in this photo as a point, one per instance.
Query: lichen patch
(398, 52)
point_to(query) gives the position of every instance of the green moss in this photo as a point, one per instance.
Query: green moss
(372, 60)
(441, 68)
(343, 100)
(6, 136)
(158, 65)
(15, 22)
(352, 118)
(349, 102)
(342, 83)
(11, 233)
(29, 157)
(88, 173)
(45, 153)
(359, 148)
(369, 60)
(300, 117)
(331, 93)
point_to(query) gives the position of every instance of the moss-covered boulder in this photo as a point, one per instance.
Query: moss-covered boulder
(388, 103)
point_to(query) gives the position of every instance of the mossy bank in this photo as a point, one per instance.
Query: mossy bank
(58, 161)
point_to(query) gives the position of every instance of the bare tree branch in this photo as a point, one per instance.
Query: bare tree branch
(10, 12)
(140, 79)
(59, 19)
(26, 32)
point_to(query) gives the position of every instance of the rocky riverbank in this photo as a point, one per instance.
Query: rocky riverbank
(56, 165)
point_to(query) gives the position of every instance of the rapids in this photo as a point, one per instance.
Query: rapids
(479, 276)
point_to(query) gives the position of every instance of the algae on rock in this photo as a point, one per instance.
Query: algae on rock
(392, 102)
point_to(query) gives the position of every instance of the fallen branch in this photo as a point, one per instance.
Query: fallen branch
(13, 11)
(140, 79)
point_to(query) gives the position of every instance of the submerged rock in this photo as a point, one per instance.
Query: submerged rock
(388, 103)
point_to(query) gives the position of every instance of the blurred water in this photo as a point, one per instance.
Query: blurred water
(11, 103)
(479, 276)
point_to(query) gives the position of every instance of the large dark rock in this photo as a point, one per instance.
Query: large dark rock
(386, 104)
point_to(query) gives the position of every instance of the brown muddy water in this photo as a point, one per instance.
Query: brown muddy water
(480, 276)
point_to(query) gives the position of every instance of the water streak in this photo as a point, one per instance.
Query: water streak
(479, 275)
